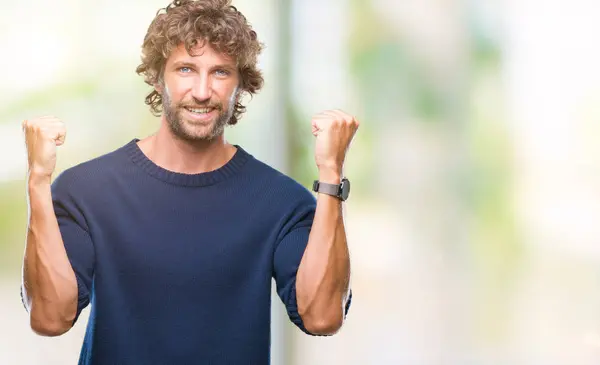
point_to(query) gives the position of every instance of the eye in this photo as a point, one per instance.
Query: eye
(184, 69)
(221, 72)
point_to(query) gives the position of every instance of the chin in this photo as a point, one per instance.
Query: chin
(198, 136)
(205, 134)
(193, 131)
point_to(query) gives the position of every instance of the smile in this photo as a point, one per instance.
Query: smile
(199, 110)
(200, 115)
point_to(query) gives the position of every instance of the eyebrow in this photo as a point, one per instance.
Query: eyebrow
(178, 64)
(183, 64)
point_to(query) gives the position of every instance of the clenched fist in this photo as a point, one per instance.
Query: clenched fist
(334, 130)
(42, 135)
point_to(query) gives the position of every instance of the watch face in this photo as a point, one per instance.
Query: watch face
(345, 190)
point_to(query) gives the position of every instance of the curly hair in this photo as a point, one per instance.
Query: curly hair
(192, 21)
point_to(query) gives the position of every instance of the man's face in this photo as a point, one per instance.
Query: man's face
(198, 92)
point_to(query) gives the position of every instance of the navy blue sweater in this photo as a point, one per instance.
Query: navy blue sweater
(178, 267)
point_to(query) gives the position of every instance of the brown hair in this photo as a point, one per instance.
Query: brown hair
(189, 22)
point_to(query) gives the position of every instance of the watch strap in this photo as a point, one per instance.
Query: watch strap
(325, 188)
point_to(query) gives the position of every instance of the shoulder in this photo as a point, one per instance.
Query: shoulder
(277, 183)
(289, 203)
(90, 175)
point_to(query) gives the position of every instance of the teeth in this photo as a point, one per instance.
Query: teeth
(199, 111)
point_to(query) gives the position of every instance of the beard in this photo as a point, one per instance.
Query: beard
(191, 132)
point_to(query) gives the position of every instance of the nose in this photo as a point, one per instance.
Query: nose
(202, 89)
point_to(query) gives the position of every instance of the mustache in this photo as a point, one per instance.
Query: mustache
(217, 106)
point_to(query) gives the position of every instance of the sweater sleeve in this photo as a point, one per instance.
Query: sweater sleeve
(288, 254)
(76, 237)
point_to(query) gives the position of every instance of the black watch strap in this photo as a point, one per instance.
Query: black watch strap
(340, 191)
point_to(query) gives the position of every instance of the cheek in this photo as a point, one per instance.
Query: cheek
(177, 88)
(234, 96)
(227, 92)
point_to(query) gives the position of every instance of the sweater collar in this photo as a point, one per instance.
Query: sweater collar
(176, 178)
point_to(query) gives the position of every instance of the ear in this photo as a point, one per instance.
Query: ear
(238, 94)
(159, 87)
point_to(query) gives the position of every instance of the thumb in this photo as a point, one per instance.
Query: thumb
(319, 124)
(58, 136)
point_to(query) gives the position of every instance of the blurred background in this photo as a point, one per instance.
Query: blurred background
(474, 218)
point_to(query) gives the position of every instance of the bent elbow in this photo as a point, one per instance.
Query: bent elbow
(49, 328)
(325, 326)
(43, 325)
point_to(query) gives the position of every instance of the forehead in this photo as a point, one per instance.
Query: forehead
(202, 54)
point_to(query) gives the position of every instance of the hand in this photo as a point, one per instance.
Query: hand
(42, 136)
(334, 130)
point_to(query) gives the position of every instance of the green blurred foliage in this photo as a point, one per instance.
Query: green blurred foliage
(12, 228)
(496, 249)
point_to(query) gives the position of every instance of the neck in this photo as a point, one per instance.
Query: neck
(186, 157)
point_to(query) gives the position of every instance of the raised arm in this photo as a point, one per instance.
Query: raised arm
(323, 278)
(49, 287)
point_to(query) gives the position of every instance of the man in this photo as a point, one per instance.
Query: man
(174, 239)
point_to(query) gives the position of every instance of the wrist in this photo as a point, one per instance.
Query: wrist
(37, 179)
(339, 189)
(330, 175)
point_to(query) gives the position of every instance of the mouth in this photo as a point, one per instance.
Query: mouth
(200, 114)
(199, 111)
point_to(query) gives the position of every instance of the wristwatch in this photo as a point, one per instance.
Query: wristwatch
(340, 191)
